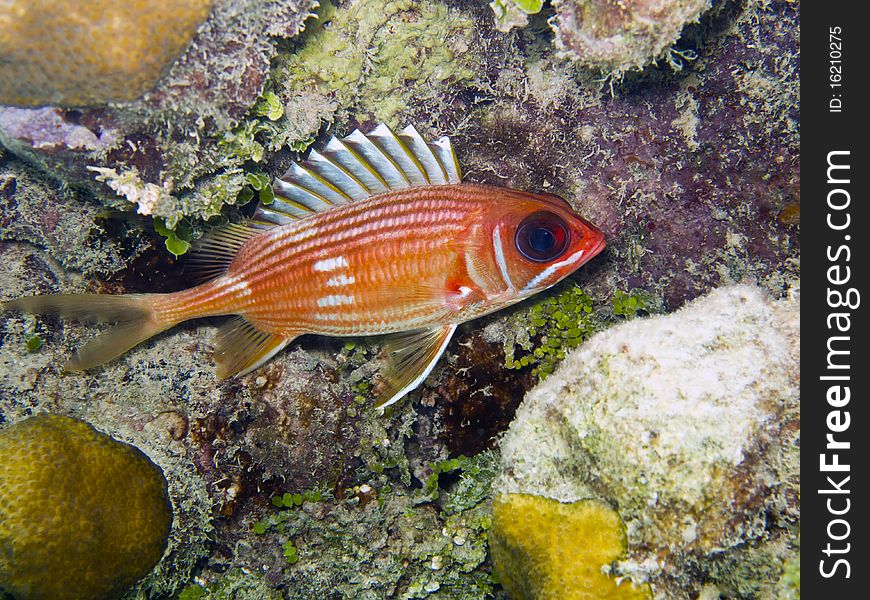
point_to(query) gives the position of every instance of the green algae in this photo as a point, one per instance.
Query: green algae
(374, 57)
(33, 342)
(476, 474)
(235, 584)
(291, 553)
(176, 242)
(514, 13)
(636, 302)
(381, 56)
(389, 548)
(558, 323)
(554, 325)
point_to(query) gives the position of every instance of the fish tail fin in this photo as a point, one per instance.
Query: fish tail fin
(133, 315)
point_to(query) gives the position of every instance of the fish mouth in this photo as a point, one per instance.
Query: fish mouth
(597, 248)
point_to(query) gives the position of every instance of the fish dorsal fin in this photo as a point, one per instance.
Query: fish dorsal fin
(212, 254)
(240, 347)
(411, 356)
(358, 166)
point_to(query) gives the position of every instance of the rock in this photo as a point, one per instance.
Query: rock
(618, 35)
(688, 424)
(170, 136)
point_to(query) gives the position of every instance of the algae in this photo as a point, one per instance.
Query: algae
(549, 328)
(382, 57)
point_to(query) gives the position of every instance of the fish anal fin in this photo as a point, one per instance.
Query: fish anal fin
(211, 255)
(411, 356)
(240, 347)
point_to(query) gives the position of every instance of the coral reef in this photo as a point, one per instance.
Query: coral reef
(170, 138)
(514, 13)
(74, 503)
(117, 50)
(693, 174)
(394, 546)
(686, 173)
(689, 423)
(64, 221)
(381, 57)
(616, 36)
(545, 549)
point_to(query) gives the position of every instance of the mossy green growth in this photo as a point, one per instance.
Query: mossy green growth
(552, 326)
(33, 342)
(234, 585)
(514, 13)
(290, 552)
(276, 120)
(476, 474)
(635, 303)
(288, 500)
(193, 592)
(291, 500)
(789, 585)
(530, 7)
(380, 55)
(177, 240)
(475, 482)
(269, 105)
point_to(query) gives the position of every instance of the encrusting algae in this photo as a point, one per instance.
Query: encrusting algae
(375, 235)
(82, 516)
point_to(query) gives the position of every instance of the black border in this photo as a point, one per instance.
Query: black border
(824, 131)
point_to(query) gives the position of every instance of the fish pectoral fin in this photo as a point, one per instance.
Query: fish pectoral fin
(411, 356)
(435, 299)
(240, 347)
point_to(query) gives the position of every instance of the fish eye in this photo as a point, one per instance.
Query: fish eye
(542, 236)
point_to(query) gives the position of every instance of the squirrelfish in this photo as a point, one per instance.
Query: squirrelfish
(374, 235)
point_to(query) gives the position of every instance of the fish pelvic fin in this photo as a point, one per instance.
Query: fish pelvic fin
(411, 356)
(240, 347)
(132, 313)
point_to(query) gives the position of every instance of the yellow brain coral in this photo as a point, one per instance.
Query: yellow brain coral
(82, 516)
(543, 549)
(78, 52)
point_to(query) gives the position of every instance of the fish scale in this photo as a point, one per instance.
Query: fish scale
(275, 271)
(420, 255)
(375, 264)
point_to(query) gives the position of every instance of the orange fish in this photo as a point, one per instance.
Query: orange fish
(375, 235)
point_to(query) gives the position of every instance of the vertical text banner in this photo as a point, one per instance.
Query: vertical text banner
(835, 345)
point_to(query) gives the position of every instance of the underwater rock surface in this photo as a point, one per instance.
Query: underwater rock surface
(616, 36)
(169, 138)
(689, 425)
